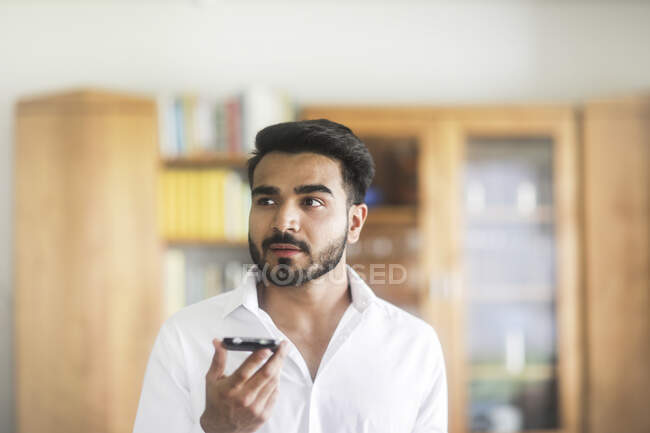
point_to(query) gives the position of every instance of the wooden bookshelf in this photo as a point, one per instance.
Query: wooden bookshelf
(87, 259)
(227, 160)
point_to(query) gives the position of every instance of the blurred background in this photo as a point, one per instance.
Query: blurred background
(511, 208)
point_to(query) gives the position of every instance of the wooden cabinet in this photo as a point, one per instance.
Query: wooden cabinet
(87, 269)
(497, 260)
(617, 239)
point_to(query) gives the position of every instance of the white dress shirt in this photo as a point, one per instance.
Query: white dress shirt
(383, 370)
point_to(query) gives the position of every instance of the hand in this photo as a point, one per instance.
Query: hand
(241, 402)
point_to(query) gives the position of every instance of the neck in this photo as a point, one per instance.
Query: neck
(304, 307)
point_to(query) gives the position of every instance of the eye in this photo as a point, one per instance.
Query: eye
(265, 201)
(313, 202)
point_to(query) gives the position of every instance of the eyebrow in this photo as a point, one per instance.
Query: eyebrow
(301, 189)
(308, 189)
(265, 190)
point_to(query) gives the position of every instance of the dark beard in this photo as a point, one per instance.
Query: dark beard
(283, 274)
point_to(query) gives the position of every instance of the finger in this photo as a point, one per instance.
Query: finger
(245, 371)
(265, 392)
(270, 402)
(218, 365)
(259, 403)
(269, 371)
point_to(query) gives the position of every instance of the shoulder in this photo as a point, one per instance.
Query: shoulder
(398, 316)
(200, 314)
(403, 324)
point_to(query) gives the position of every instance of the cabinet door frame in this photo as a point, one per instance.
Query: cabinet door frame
(454, 127)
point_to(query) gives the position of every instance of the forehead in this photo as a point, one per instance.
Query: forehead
(287, 170)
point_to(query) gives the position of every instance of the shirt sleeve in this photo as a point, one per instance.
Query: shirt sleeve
(432, 415)
(165, 398)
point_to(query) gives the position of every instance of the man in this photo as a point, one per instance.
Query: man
(348, 362)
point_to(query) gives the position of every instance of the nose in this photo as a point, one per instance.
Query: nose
(287, 218)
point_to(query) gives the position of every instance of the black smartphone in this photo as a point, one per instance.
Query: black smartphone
(250, 344)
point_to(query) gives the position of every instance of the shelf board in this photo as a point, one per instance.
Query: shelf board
(225, 159)
(535, 372)
(510, 294)
(206, 242)
(540, 215)
(553, 430)
(403, 215)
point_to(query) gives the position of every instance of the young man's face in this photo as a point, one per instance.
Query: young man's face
(299, 218)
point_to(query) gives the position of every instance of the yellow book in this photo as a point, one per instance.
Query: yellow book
(161, 214)
(211, 197)
(189, 188)
(171, 203)
(189, 212)
(246, 202)
(233, 215)
(195, 203)
(215, 198)
(220, 183)
(182, 202)
(206, 224)
(204, 204)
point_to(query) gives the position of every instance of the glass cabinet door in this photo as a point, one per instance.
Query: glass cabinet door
(386, 255)
(509, 284)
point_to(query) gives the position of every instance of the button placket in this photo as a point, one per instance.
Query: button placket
(339, 338)
(294, 353)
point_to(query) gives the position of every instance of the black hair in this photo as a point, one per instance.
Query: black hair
(324, 137)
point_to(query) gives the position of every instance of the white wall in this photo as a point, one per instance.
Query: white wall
(320, 51)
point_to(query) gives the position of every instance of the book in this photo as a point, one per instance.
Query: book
(194, 284)
(262, 106)
(188, 103)
(167, 126)
(179, 121)
(174, 282)
(233, 124)
(189, 124)
(213, 280)
(233, 205)
(205, 125)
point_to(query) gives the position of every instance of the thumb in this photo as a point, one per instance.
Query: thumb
(218, 365)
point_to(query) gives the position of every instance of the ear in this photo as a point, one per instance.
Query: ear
(356, 218)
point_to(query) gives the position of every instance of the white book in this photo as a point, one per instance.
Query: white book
(195, 285)
(205, 124)
(174, 283)
(167, 126)
(261, 107)
(213, 281)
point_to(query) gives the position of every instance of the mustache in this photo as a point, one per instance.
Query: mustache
(285, 238)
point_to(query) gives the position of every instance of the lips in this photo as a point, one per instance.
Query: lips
(284, 247)
(284, 250)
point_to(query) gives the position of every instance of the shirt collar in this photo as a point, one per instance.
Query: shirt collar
(245, 295)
